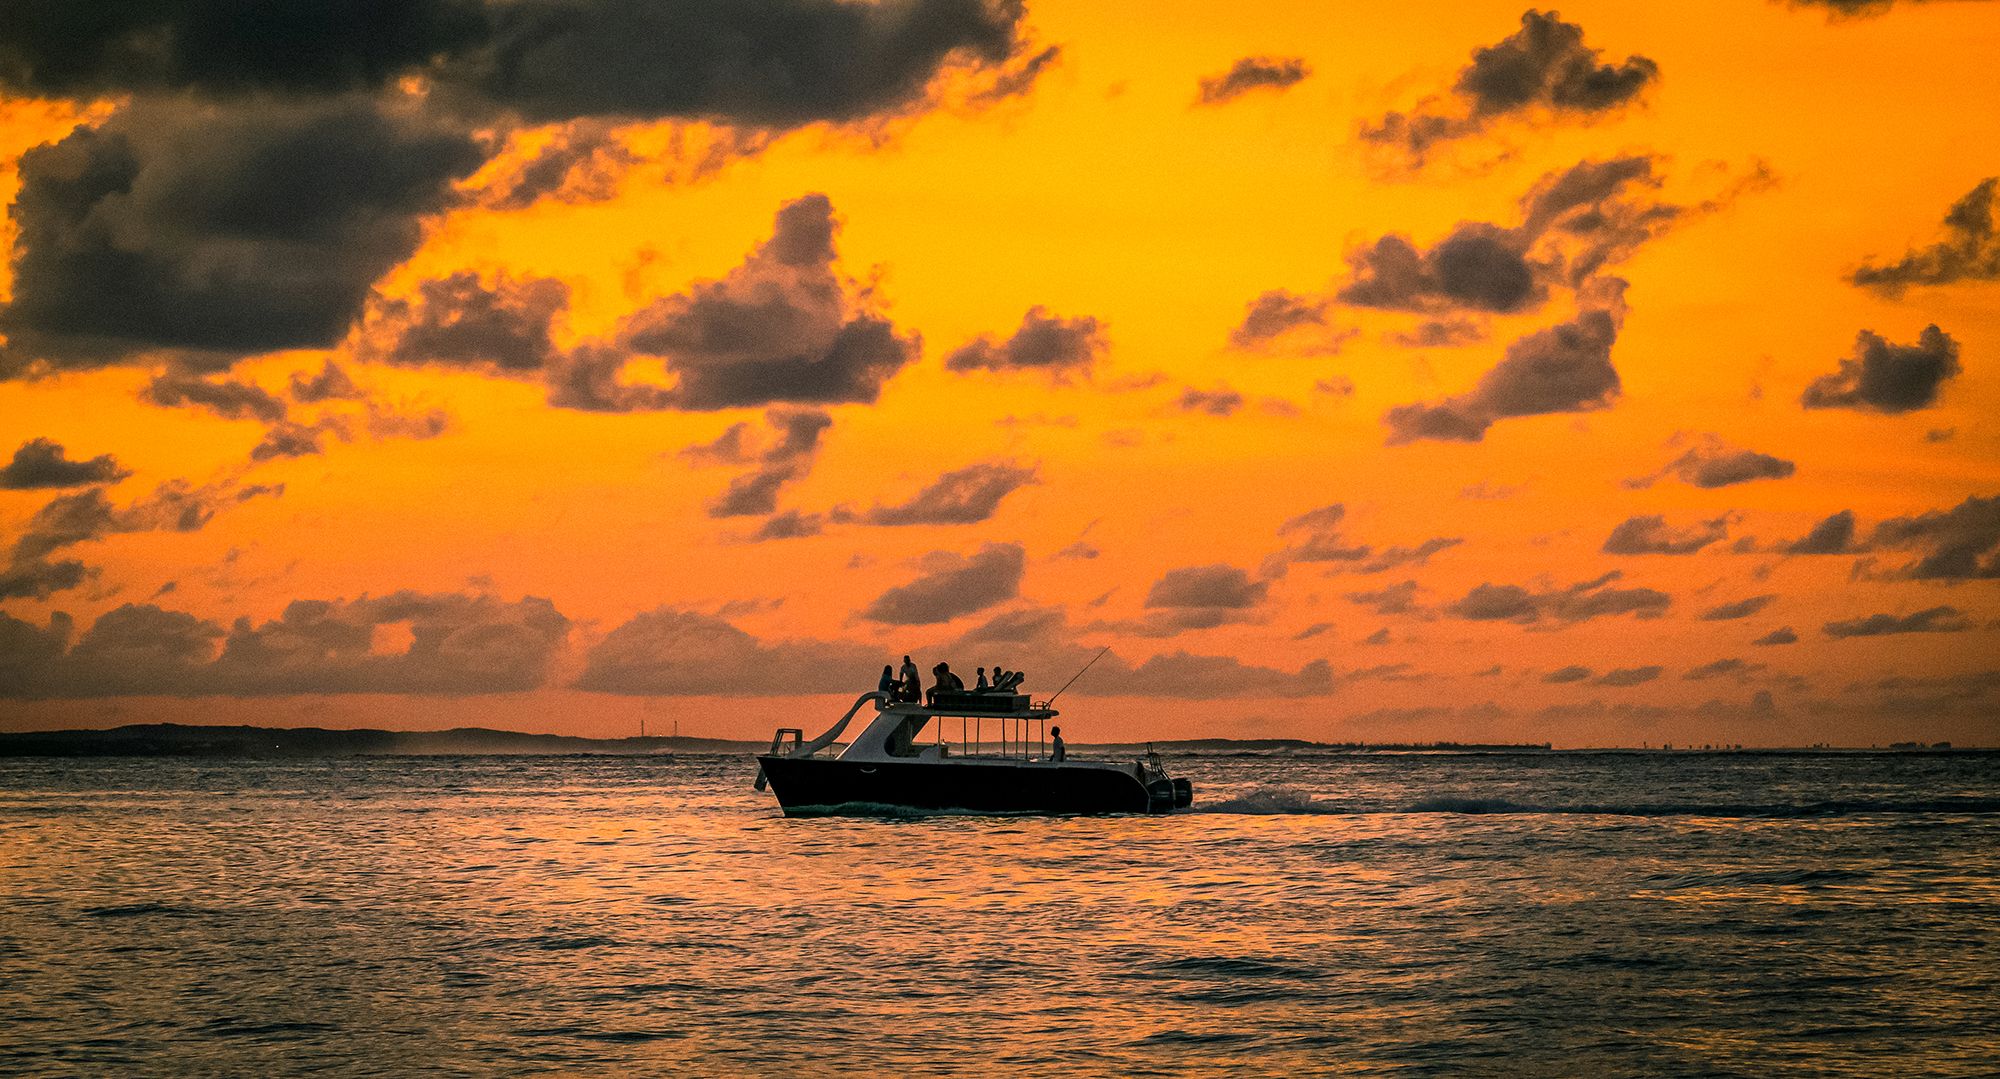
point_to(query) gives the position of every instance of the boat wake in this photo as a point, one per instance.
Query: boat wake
(1283, 801)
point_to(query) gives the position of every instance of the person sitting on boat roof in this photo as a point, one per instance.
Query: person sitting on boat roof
(889, 686)
(912, 683)
(980, 686)
(947, 682)
(1057, 751)
(999, 678)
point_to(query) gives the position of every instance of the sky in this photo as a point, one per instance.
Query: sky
(1617, 375)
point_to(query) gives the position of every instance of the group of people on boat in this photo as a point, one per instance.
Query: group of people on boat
(906, 685)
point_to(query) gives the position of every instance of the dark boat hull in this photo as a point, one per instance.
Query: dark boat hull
(808, 785)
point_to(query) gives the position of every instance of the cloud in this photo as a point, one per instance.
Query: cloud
(1441, 333)
(582, 162)
(770, 64)
(38, 578)
(790, 524)
(1714, 463)
(963, 496)
(1399, 598)
(676, 652)
(1885, 377)
(41, 464)
(1629, 676)
(1564, 368)
(230, 399)
(1318, 538)
(457, 644)
(1932, 620)
(749, 62)
(331, 383)
(1833, 535)
(1962, 543)
(1719, 668)
(505, 327)
(952, 585)
(780, 327)
(1579, 602)
(1041, 642)
(1221, 401)
(1567, 674)
(1970, 250)
(1542, 72)
(1253, 73)
(1195, 597)
(1742, 608)
(1055, 346)
(1651, 534)
(1276, 313)
(786, 459)
(176, 506)
(288, 438)
(207, 234)
(1781, 635)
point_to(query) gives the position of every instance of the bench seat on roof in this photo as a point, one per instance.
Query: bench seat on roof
(981, 702)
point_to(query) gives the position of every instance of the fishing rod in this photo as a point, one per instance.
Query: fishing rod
(1073, 678)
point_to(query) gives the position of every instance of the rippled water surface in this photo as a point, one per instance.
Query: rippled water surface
(1566, 914)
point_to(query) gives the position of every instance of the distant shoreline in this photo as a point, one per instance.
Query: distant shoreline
(188, 740)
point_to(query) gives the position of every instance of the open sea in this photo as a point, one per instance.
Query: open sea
(1573, 914)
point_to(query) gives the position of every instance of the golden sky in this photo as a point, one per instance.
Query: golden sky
(1356, 373)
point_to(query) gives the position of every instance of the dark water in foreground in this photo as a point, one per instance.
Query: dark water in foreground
(1544, 914)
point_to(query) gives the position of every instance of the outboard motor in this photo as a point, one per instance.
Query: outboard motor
(1183, 794)
(1160, 795)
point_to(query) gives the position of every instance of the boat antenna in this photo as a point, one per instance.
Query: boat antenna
(1074, 677)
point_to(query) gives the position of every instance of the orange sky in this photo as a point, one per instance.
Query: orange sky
(1792, 147)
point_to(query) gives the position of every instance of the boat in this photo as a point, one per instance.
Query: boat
(891, 766)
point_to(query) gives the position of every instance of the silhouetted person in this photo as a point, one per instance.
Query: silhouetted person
(888, 684)
(912, 682)
(1057, 751)
(980, 686)
(947, 682)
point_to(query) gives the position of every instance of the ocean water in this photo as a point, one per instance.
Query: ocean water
(1534, 914)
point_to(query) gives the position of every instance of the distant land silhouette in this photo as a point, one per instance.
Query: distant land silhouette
(183, 740)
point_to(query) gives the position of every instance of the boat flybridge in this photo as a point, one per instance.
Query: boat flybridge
(1000, 763)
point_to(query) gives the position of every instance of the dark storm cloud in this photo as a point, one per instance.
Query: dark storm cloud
(753, 62)
(457, 645)
(1883, 377)
(1567, 674)
(1628, 676)
(1962, 543)
(1933, 620)
(1742, 608)
(1543, 70)
(675, 652)
(227, 398)
(780, 327)
(212, 233)
(41, 464)
(786, 459)
(1253, 73)
(1781, 635)
(59, 49)
(1579, 602)
(459, 321)
(952, 585)
(1564, 368)
(1714, 463)
(1970, 250)
(963, 496)
(1651, 534)
(1043, 342)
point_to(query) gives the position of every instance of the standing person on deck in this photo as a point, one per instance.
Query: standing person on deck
(1057, 751)
(912, 681)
